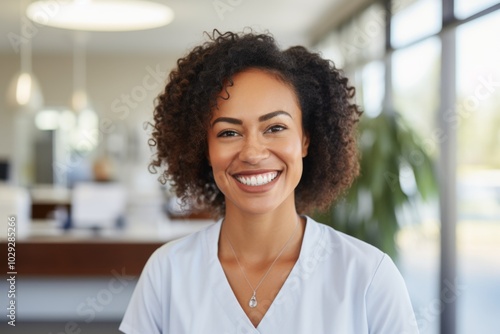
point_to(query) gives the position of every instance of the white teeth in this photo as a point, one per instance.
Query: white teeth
(258, 180)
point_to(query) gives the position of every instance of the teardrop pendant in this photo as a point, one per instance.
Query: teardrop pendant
(253, 301)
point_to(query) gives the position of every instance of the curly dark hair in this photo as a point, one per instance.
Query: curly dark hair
(183, 111)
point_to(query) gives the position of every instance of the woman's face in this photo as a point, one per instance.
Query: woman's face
(256, 143)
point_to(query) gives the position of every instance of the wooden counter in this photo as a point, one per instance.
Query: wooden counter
(90, 255)
(79, 259)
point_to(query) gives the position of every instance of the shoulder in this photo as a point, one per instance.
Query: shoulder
(344, 248)
(368, 275)
(170, 264)
(360, 262)
(186, 248)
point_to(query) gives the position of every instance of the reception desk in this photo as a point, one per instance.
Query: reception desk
(45, 249)
(91, 258)
(49, 252)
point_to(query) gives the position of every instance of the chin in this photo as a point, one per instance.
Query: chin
(258, 207)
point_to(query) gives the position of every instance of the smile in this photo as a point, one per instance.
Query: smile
(257, 180)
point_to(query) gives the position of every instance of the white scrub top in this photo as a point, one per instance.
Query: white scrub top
(339, 284)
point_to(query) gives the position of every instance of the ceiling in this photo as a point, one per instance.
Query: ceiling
(291, 22)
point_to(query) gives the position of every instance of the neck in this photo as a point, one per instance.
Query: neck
(259, 238)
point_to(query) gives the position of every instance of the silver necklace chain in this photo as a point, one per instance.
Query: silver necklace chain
(253, 300)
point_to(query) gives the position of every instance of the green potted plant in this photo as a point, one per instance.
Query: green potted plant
(394, 171)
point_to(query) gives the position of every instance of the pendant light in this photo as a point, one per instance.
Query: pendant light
(85, 136)
(79, 99)
(24, 91)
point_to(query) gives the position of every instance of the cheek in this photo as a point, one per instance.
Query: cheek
(292, 150)
(218, 158)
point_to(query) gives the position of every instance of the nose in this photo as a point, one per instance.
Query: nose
(254, 150)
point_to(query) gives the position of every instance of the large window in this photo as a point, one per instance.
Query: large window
(478, 173)
(413, 20)
(466, 8)
(407, 76)
(415, 87)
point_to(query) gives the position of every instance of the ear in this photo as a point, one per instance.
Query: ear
(305, 144)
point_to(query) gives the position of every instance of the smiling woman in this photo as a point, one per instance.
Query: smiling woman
(261, 136)
(203, 80)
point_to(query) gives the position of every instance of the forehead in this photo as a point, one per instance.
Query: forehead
(256, 91)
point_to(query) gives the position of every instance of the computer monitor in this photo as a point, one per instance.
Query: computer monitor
(4, 170)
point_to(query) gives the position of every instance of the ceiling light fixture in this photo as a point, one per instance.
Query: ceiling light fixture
(79, 99)
(24, 91)
(100, 15)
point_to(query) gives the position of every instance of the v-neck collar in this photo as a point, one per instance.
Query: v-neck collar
(220, 287)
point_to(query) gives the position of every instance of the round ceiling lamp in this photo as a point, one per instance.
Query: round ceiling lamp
(100, 15)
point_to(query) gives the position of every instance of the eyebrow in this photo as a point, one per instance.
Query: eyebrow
(262, 118)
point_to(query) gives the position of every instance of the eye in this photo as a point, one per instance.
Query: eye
(275, 128)
(227, 133)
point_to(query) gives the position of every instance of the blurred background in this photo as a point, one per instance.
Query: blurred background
(73, 147)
